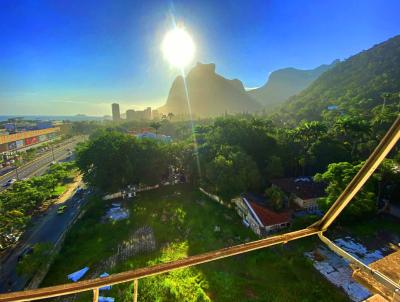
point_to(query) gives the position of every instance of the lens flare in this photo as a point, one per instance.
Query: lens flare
(178, 47)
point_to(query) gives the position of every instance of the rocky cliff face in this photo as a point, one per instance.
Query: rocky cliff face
(209, 94)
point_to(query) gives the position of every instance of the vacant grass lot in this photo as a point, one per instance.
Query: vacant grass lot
(183, 221)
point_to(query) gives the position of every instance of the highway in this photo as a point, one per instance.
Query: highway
(39, 165)
(48, 228)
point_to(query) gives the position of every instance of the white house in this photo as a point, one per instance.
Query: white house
(259, 218)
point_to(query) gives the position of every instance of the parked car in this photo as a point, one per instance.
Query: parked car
(27, 251)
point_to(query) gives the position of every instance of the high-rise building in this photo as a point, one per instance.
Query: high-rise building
(115, 112)
(130, 115)
(138, 115)
(155, 115)
(147, 113)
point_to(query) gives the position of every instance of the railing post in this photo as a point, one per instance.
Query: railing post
(135, 289)
(95, 295)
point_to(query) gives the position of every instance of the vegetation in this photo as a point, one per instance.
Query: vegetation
(276, 196)
(235, 154)
(183, 221)
(29, 265)
(112, 160)
(383, 185)
(20, 202)
(362, 84)
(327, 130)
(338, 176)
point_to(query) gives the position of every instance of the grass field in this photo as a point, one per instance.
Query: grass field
(183, 221)
(60, 189)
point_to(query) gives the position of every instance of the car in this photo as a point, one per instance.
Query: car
(27, 251)
(9, 182)
(61, 210)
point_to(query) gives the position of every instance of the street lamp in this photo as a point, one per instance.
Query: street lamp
(52, 151)
(16, 170)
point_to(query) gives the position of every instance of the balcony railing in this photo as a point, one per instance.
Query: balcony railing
(318, 228)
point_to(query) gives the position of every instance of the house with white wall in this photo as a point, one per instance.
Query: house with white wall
(259, 218)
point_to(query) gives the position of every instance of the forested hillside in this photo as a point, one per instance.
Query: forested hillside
(355, 86)
(284, 83)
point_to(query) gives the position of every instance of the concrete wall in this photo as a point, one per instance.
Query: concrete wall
(215, 197)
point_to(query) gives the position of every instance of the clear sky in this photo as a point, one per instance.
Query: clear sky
(68, 56)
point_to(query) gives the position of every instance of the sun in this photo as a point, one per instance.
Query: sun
(178, 47)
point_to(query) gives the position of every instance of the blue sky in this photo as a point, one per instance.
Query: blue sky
(69, 57)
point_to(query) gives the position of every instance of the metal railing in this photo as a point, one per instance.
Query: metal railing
(318, 228)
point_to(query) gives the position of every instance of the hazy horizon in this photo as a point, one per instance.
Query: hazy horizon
(63, 59)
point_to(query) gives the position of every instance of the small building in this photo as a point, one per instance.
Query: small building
(259, 218)
(151, 135)
(302, 190)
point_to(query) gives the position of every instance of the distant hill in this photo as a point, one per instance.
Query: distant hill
(357, 84)
(284, 83)
(210, 94)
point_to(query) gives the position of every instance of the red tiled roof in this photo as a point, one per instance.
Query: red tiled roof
(269, 217)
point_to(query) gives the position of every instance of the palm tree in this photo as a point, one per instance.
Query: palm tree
(170, 115)
(156, 126)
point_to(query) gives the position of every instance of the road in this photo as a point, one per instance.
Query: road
(48, 229)
(40, 165)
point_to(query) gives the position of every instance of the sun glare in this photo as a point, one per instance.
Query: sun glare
(178, 47)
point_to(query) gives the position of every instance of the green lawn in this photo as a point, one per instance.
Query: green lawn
(60, 189)
(183, 221)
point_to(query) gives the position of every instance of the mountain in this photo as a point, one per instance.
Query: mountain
(286, 82)
(210, 94)
(355, 85)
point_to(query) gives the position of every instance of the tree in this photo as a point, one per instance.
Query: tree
(338, 176)
(156, 126)
(32, 263)
(325, 151)
(170, 115)
(232, 172)
(250, 135)
(305, 136)
(352, 130)
(276, 196)
(274, 167)
(111, 160)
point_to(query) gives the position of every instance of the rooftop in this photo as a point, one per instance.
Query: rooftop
(269, 217)
(303, 187)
